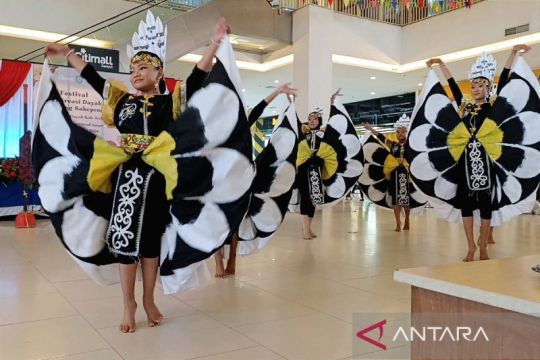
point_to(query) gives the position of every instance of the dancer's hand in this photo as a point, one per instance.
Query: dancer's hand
(367, 126)
(287, 89)
(333, 98)
(221, 29)
(522, 48)
(55, 49)
(435, 61)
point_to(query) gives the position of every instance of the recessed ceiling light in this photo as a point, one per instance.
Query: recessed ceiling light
(243, 90)
(276, 81)
(420, 84)
(373, 77)
(372, 93)
(46, 36)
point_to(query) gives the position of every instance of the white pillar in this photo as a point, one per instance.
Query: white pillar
(312, 68)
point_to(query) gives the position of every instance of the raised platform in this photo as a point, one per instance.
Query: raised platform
(11, 200)
(501, 296)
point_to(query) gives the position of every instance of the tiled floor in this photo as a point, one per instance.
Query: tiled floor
(294, 300)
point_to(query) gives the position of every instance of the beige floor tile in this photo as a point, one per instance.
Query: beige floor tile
(313, 337)
(398, 353)
(88, 290)
(48, 339)
(22, 280)
(248, 307)
(60, 268)
(383, 285)
(34, 307)
(218, 287)
(297, 288)
(9, 258)
(254, 353)
(345, 305)
(108, 312)
(261, 271)
(179, 338)
(93, 355)
(335, 271)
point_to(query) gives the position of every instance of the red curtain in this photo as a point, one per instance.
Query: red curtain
(12, 75)
(171, 83)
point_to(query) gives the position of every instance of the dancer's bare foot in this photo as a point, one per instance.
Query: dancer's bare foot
(231, 266)
(398, 228)
(307, 237)
(152, 313)
(220, 271)
(483, 253)
(312, 234)
(491, 241)
(470, 255)
(406, 226)
(128, 323)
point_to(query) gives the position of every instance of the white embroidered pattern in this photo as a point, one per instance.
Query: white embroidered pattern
(121, 221)
(402, 197)
(478, 179)
(316, 193)
(128, 110)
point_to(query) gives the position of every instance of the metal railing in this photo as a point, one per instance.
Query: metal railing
(395, 12)
(181, 5)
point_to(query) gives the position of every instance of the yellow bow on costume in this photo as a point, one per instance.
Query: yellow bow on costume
(107, 158)
(489, 135)
(325, 152)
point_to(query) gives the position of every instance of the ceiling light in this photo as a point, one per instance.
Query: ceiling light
(373, 78)
(51, 37)
(243, 90)
(420, 84)
(276, 81)
(372, 93)
(245, 65)
(454, 56)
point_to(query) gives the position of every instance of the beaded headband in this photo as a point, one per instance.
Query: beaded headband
(146, 59)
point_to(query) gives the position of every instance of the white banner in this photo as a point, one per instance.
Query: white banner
(82, 101)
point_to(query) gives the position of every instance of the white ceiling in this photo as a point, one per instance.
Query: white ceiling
(355, 82)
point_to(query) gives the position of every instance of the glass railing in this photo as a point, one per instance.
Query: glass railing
(396, 12)
(182, 5)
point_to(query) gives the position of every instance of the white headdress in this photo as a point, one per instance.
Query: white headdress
(151, 36)
(319, 110)
(485, 66)
(403, 122)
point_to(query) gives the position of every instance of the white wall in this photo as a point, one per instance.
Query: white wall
(366, 39)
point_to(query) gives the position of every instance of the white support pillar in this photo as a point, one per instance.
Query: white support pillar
(312, 68)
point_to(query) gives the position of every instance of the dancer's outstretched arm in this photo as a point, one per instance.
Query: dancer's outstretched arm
(86, 70)
(257, 111)
(195, 80)
(221, 29)
(458, 95)
(377, 134)
(503, 79)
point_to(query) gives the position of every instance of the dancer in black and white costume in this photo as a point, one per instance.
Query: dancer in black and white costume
(385, 179)
(173, 192)
(328, 163)
(483, 161)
